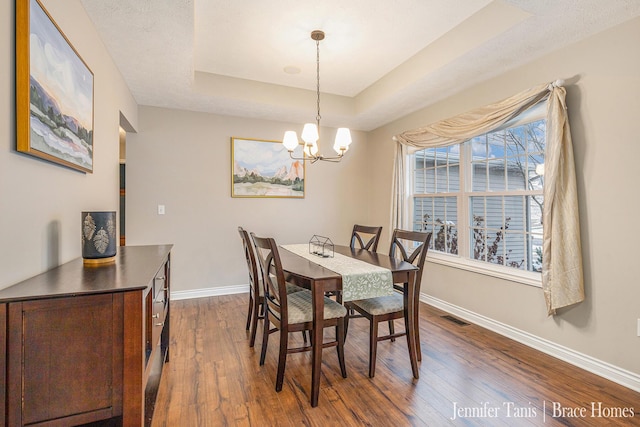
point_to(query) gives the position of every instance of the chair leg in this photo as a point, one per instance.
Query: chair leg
(411, 346)
(250, 311)
(265, 339)
(340, 336)
(282, 358)
(373, 346)
(254, 322)
(346, 324)
(391, 330)
(416, 328)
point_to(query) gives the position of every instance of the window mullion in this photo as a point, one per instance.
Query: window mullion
(463, 200)
(503, 248)
(410, 193)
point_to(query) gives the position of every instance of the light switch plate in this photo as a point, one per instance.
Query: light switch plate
(160, 209)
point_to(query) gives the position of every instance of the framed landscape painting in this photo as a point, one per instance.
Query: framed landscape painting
(262, 168)
(54, 92)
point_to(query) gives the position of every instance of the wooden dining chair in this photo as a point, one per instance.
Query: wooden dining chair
(256, 296)
(392, 307)
(361, 233)
(292, 312)
(256, 293)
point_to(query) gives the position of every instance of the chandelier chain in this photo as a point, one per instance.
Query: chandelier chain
(318, 117)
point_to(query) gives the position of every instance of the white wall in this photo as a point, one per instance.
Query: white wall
(182, 160)
(604, 106)
(41, 202)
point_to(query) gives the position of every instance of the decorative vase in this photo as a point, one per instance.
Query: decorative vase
(98, 237)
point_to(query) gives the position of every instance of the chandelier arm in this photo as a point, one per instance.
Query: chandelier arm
(334, 159)
(312, 158)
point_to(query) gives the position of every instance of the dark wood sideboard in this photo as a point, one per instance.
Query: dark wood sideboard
(82, 345)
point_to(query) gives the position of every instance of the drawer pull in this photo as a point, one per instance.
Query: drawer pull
(160, 324)
(159, 278)
(155, 316)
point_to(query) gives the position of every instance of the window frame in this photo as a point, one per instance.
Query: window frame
(463, 259)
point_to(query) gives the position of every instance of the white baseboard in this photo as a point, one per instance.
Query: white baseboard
(606, 370)
(209, 292)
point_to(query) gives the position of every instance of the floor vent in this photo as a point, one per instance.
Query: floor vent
(455, 320)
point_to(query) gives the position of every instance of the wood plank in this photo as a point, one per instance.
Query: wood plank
(214, 377)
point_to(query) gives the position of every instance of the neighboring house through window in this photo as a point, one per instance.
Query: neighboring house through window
(482, 199)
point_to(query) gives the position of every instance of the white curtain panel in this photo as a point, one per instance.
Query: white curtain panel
(562, 277)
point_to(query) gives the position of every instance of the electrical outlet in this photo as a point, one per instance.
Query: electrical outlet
(639, 327)
(160, 209)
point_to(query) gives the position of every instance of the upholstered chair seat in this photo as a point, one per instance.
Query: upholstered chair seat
(301, 307)
(381, 305)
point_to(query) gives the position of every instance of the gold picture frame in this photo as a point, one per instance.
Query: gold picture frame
(263, 168)
(54, 92)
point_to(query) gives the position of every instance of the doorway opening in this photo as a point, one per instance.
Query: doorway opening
(123, 184)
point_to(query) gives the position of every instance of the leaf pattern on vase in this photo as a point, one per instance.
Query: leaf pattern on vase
(111, 228)
(101, 241)
(89, 227)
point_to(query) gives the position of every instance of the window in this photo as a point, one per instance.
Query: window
(482, 200)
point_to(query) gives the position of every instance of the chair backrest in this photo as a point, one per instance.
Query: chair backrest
(252, 266)
(274, 285)
(415, 251)
(362, 232)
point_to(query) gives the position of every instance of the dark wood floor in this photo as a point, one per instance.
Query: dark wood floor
(467, 373)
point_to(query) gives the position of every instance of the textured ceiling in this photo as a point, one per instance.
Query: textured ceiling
(380, 60)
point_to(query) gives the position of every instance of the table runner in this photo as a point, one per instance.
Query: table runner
(360, 279)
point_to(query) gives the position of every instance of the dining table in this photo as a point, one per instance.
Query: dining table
(307, 271)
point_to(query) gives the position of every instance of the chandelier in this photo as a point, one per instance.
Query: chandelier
(310, 133)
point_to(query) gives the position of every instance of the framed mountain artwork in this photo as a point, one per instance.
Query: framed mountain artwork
(262, 168)
(54, 92)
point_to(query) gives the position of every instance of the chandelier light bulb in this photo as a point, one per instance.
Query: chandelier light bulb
(290, 140)
(310, 133)
(343, 140)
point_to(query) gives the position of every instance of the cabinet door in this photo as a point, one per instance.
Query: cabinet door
(70, 364)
